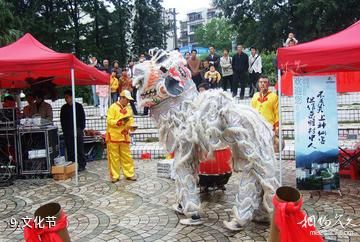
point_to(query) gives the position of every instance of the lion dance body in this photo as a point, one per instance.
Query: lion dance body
(192, 124)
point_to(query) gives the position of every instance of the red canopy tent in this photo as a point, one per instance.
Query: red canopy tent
(335, 54)
(28, 58)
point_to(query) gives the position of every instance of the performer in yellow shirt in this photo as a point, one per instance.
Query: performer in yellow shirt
(120, 122)
(266, 103)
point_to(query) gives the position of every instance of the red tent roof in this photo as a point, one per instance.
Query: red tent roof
(335, 54)
(28, 58)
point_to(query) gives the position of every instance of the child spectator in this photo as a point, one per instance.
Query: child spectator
(213, 77)
(291, 38)
(114, 86)
(204, 69)
(291, 43)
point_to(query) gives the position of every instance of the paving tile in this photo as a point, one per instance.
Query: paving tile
(141, 211)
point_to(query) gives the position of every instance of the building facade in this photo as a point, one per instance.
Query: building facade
(194, 19)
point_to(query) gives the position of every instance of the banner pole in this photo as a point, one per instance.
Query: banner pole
(74, 124)
(280, 128)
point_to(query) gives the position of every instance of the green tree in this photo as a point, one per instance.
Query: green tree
(106, 33)
(218, 32)
(148, 26)
(74, 9)
(47, 21)
(266, 23)
(120, 31)
(9, 24)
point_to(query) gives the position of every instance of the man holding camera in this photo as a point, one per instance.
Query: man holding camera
(120, 122)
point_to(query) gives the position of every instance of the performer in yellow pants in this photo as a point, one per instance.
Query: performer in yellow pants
(120, 121)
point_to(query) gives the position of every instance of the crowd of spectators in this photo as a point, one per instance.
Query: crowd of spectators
(240, 70)
(215, 71)
(120, 79)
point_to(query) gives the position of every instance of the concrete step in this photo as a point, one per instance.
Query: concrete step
(56, 104)
(157, 151)
(89, 111)
(346, 131)
(145, 135)
(342, 100)
(154, 148)
(343, 115)
(148, 131)
(289, 150)
(96, 123)
(348, 112)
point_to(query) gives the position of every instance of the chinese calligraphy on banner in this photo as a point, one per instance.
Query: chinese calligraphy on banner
(316, 133)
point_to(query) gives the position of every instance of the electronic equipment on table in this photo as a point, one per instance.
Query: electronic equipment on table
(38, 147)
(34, 122)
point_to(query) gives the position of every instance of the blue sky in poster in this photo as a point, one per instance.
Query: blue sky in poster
(326, 137)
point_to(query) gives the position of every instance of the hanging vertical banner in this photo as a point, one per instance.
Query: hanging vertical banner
(316, 133)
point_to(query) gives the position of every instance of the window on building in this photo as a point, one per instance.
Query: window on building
(183, 25)
(194, 27)
(194, 16)
(183, 34)
(192, 38)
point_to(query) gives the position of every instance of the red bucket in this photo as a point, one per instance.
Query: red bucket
(220, 165)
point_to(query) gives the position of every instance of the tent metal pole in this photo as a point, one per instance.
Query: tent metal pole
(280, 128)
(74, 122)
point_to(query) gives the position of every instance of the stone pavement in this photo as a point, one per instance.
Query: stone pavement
(141, 211)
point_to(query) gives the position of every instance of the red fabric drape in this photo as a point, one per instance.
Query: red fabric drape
(338, 52)
(335, 54)
(288, 218)
(345, 82)
(45, 234)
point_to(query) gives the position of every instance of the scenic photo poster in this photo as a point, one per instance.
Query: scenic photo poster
(316, 133)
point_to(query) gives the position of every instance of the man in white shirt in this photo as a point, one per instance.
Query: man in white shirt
(255, 66)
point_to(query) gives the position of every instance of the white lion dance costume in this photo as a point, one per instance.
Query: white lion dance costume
(194, 125)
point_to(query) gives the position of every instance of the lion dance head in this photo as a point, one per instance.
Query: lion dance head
(162, 77)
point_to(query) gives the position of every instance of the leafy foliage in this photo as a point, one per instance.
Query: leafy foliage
(9, 24)
(85, 27)
(268, 65)
(266, 23)
(148, 29)
(218, 32)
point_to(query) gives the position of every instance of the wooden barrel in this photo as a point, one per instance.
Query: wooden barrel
(52, 210)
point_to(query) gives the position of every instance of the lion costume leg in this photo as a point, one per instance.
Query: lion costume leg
(253, 155)
(186, 180)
